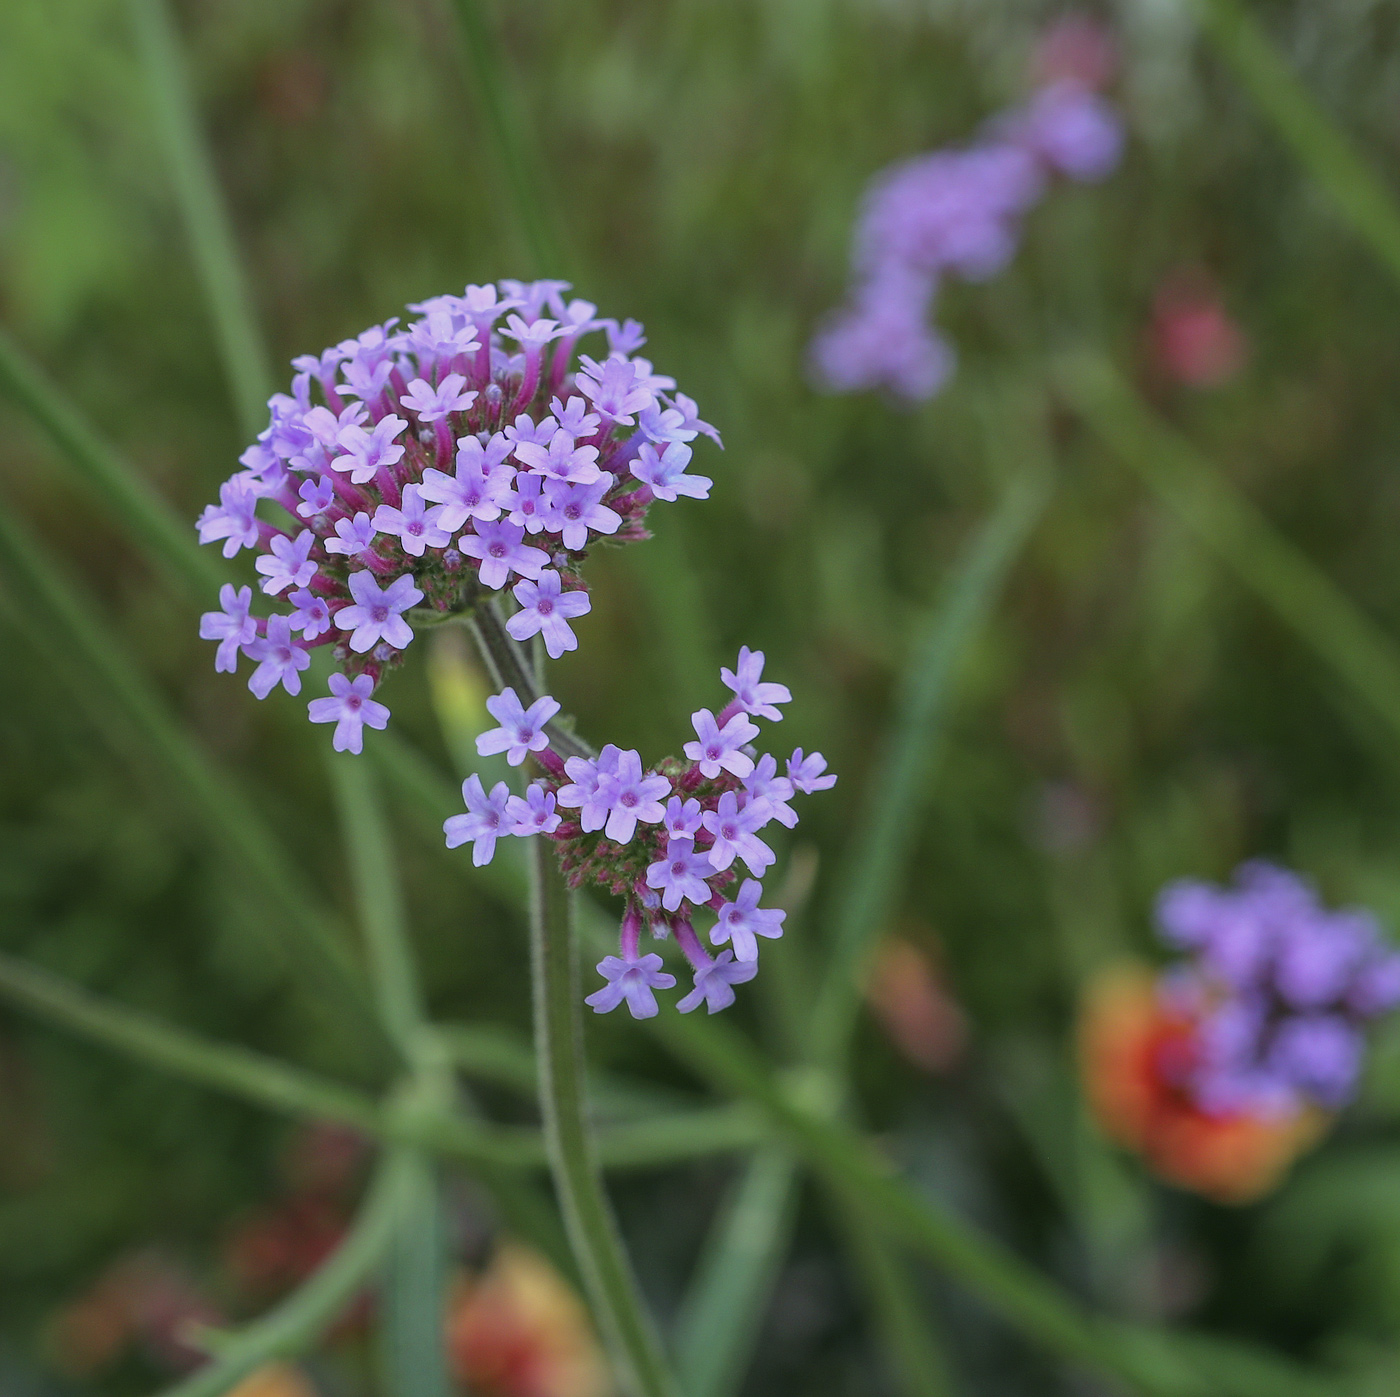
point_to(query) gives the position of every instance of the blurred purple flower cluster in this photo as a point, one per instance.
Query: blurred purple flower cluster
(1280, 988)
(668, 840)
(954, 212)
(442, 460)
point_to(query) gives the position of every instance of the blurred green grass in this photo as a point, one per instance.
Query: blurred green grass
(1130, 714)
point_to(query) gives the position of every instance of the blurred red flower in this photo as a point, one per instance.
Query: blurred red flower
(1194, 339)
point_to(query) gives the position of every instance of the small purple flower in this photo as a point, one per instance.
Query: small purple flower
(316, 496)
(414, 524)
(715, 981)
(233, 519)
(1073, 130)
(626, 338)
(280, 659)
(681, 874)
(561, 460)
(683, 820)
(352, 536)
(533, 815)
(350, 707)
(231, 626)
(546, 608)
(499, 549)
(631, 797)
(666, 474)
(480, 488)
(378, 615)
(431, 403)
(571, 510)
(522, 729)
(733, 830)
(743, 919)
(525, 430)
(483, 823)
(770, 791)
(368, 452)
(527, 502)
(1320, 1054)
(574, 417)
(632, 980)
(720, 747)
(613, 389)
(290, 564)
(805, 773)
(588, 792)
(312, 616)
(753, 695)
(533, 335)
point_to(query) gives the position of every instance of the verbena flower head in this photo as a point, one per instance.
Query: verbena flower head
(416, 470)
(1279, 988)
(676, 841)
(954, 212)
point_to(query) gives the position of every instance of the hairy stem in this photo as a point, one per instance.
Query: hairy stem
(607, 1274)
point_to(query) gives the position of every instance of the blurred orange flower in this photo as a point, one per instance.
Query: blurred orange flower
(518, 1330)
(275, 1380)
(908, 996)
(1126, 1036)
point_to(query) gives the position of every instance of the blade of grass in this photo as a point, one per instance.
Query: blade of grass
(413, 1351)
(167, 540)
(724, 1307)
(1324, 150)
(201, 203)
(296, 1323)
(872, 879)
(110, 686)
(505, 119)
(1304, 597)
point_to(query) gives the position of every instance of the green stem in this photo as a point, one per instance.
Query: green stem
(519, 161)
(1325, 152)
(226, 289)
(413, 1353)
(886, 835)
(607, 1274)
(300, 1319)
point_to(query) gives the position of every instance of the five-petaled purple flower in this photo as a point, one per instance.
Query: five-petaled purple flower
(231, 626)
(484, 822)
(378, 615)
(721, 747)
(521, 729)
(680, 875)
(547, 609)
(751, 694)
(632, 980)
(715, 981)
(280, 657)
(743, 919)
(350, 708)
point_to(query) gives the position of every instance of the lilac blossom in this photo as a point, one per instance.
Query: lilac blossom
(733, 828)
(751, 694)
(484, 821)
(527, 501)
(561, 459)
(521, 729)
(632, 980)
(415, 524)
(290, 564)
(312, 616)
(574, 417)
(233, 519)
(367, 453)
(350, 708)
(317, 496)
(721, 747)
(805, 773)
(683, 818)
(378, 614)
(766, 788)
(614, 390)
(632, 796)
(715, 981)
(680, 875)
(280, 657)
(500, 549)
(431, 403)
(742, 920)
(666, 475)
(480, 487)
(589, 792)
(572, 510)
(352, 536)
(547, 609)
(231, 626)
(535, 814)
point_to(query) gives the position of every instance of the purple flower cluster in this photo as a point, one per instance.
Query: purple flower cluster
(433, 465)
(1279, 988)
(953, 213)
(671, 840)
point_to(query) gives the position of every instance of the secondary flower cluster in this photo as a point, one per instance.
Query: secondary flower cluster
(671, 841)
(1222, 1069)
(434, 465)
(953, 212)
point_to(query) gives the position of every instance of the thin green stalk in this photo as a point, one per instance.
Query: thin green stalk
(374, 873)
(1324, 150)
(111, 686)
(1304, 597)
(871, 884)
(167, 540)
(202, 207)
(299, 1320)
(727, 1299)
(607, 1274)
(505, 119)
(920, 1368)
(413, 1351)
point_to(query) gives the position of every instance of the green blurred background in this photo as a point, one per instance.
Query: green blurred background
(1129, 714)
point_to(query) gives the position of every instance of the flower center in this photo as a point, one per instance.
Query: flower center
(497, 550)
(353, 703)
(728, 832)
(571, 511)
(415, 527)
(714, 752)
(544, 606)
(379, 613)
(526, 734)
(678, 869)
(629, 798)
